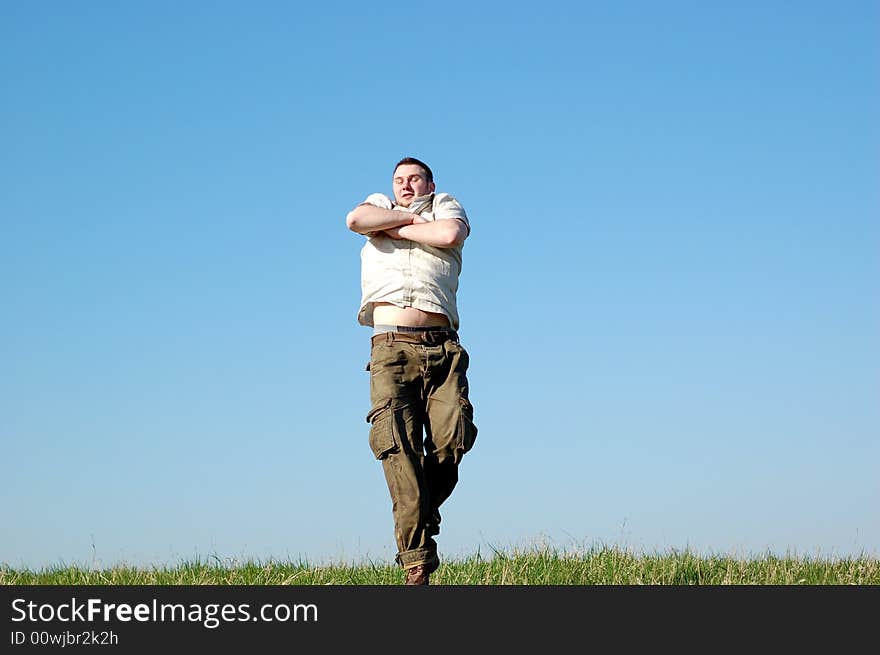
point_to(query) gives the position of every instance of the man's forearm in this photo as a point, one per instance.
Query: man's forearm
(364, 219)
(444, 233)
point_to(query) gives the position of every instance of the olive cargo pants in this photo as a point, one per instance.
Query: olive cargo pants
(421, 426)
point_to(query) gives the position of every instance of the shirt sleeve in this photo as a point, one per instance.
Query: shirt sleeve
(378, 200)
(446, 206)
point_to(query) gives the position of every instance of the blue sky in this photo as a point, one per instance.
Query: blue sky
(670, 294)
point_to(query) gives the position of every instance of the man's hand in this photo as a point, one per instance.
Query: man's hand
(394, 232)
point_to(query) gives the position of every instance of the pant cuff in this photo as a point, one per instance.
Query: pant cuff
(412, 558)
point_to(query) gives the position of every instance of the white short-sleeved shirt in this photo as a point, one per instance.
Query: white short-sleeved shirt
(411, 274)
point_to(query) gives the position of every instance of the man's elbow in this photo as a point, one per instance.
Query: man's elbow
(351, 221)
(454, 236)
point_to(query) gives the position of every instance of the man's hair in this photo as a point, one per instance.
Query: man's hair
(412, 160)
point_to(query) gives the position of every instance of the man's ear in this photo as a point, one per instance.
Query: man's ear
(431, 187)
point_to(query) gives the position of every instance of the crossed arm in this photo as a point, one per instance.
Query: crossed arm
(443, 233)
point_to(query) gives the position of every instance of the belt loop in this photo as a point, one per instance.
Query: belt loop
(389, 338)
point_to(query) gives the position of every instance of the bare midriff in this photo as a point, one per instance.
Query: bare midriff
(385, 313)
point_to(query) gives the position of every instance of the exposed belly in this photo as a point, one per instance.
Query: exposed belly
(385, 313)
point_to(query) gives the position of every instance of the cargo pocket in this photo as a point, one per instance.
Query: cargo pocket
(467, 431)
(382, 440)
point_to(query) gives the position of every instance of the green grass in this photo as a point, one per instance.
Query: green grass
(595, 566)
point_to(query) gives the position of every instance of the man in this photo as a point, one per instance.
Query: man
(421, 420)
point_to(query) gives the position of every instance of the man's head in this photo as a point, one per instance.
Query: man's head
(412, 178)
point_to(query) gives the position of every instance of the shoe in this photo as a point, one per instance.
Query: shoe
(417, 575)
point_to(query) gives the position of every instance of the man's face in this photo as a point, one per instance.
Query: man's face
(410, 182)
